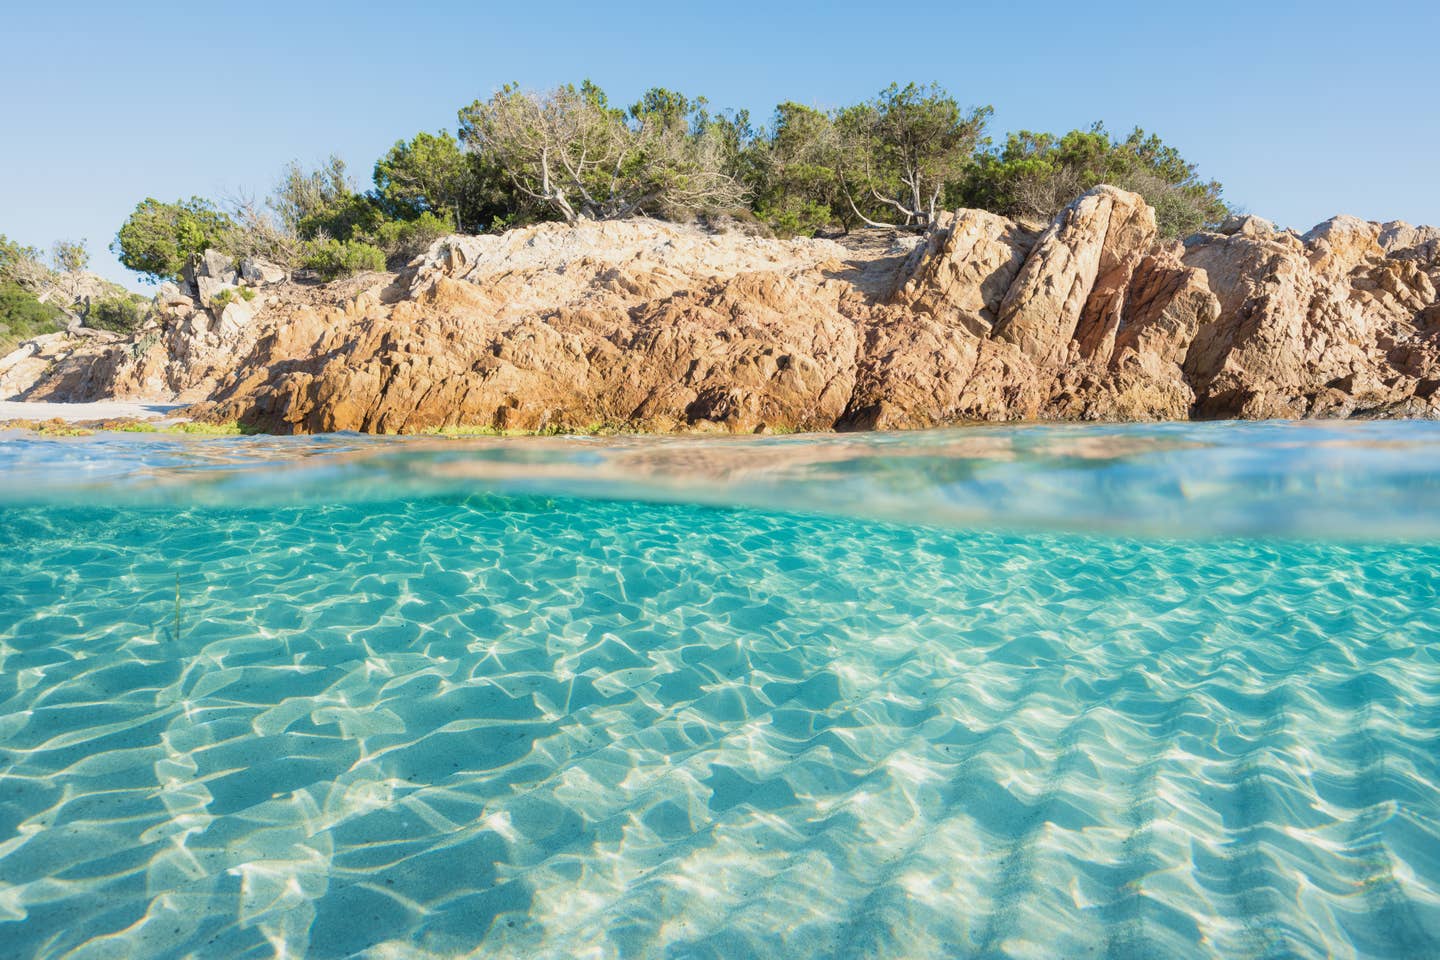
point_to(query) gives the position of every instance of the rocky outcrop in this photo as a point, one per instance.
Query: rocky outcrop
(663, 327)
(190, 340)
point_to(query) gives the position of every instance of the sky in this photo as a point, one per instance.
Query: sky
(1303, 110)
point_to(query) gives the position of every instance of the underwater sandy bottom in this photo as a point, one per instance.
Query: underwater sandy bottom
(538, 726)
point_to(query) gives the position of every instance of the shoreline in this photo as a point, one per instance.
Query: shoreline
(157, 412)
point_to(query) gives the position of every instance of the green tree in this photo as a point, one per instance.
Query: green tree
(573, 155)
(158, 239)
(20, 264)
(428, 173)
(899, 151)
(323, 202)
(796, 178)
(69, 257)
(1035, 175)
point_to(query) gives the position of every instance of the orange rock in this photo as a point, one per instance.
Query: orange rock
(664, 327)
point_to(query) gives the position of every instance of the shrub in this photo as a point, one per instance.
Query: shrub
(119, 314)
(158, 239)
(22, 316)
(230, 295)
(341, 258)
(409, 238)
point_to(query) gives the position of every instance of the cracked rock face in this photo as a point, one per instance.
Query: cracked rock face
(664, 327)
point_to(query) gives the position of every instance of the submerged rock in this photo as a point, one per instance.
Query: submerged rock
(663, 327)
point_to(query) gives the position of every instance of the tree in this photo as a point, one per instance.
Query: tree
(158, 239)
(571, 153)
(797, 180)
(260, 232)
(323, 203)
(1035, 175)
(427, 173)
(900, 150)
(20, 264)
(69, 257)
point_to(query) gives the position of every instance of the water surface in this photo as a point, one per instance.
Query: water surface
(1024, 692)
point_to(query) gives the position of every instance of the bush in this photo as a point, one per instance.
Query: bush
(158, 239)
(341, 258)
(118, 314)
(409, 238)
(232, 295)
(22, 316)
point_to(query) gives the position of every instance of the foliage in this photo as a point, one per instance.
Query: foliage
(311, 200)
(795, 174)
(406, 239)
(120, 314)
(69, 257)
(23, 316)
(573, 155)
(898, 152)
(260, 233)
(333, 259)
(1034, 175)
(427, 174)
(321, 206)
(158, 239)
(20, 264)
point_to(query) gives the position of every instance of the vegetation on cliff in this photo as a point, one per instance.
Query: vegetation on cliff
(570, 154)
(36, 298)
(23, 316)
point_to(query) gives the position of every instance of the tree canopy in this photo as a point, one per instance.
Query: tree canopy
(571, 154)
(158, 239)
(1033, 175)
(899, 151)
(576, 157)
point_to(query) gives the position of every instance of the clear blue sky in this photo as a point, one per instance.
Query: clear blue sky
(1302, 109)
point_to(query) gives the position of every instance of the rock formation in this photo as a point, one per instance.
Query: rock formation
(662, 327)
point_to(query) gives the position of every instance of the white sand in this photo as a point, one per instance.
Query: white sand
(101, 410)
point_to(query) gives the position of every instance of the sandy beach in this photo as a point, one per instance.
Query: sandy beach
(156, 411)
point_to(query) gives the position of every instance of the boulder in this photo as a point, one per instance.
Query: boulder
(212, 265)
(962, 271)
(233, 318)
(216, 265)
(256, 271)
(170, 294)
(1246, 225)
(1087, 253)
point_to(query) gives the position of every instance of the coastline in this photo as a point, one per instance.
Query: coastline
(158, 412)
(644, 326)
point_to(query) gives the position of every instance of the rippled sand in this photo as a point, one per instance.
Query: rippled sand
(490, 725)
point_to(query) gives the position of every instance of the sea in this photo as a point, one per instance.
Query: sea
(1036, 691)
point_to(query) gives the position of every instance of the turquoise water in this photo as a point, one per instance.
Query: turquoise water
(1025, 692)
